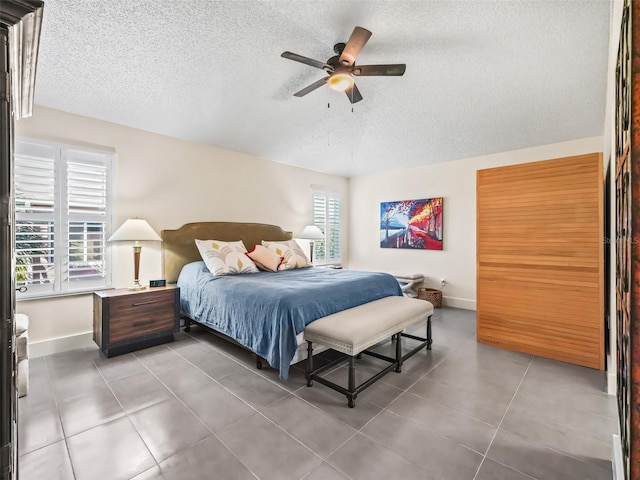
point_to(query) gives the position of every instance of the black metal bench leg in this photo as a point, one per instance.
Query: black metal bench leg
(398, 337)
(429, 339)
(352, 382)
(309, 364)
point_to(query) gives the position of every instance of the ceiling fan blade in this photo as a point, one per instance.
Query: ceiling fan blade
(307, 61)
(311, 87)
(353, 93)
(356, 42)
(396, 70)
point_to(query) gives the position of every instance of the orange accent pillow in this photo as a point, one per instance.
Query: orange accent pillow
(264, 258)
(293, 255)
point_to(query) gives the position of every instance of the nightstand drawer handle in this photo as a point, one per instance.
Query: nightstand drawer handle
(144, 303)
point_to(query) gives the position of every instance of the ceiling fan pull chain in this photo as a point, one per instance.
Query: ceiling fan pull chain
(328, 129)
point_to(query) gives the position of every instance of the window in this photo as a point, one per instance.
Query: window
(62, 214)
(326, 216)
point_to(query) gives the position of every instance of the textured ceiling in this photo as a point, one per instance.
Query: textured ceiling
(482, 76)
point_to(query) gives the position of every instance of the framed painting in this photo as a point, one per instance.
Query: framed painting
(415, 224)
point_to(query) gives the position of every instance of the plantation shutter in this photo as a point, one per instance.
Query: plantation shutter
(333, 228)
(62, 216)
(34, 187)
(326, 216)
(87, 216)
(319, 216)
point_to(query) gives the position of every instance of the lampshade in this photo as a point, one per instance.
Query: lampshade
(340, 81)
(135, 229)
(311, 232)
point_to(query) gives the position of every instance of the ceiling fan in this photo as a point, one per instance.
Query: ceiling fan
(342, 67)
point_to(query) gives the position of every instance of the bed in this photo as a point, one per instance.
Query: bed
(264, 312)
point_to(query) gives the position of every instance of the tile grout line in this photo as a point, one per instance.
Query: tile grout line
(175, 395)
(247, 368)
(127, 414)
(502, 419)
(370, 420)
(383, 409)
(256, 410)
(55, 400)
(49, 363)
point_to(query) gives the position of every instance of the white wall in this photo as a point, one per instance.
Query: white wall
(168, 182)
(456, 182)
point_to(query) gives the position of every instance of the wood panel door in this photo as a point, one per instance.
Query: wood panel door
(627, 172)
(540, 256)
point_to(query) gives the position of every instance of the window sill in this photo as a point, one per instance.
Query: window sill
(329, 265)
(49, 296)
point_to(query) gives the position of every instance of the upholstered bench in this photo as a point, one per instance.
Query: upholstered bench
(408, 282)
(354, 330)
(22, 349)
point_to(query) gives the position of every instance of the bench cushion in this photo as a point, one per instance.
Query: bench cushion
(356, 329)
(408, 277)
(22, 323)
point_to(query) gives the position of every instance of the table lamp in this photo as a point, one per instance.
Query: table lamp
(135, 230)
(311, 232)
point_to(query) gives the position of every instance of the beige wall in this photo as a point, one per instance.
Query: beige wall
(456, 182)
(168, 182)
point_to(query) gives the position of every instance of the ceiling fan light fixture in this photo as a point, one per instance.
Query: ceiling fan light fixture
(340, 81)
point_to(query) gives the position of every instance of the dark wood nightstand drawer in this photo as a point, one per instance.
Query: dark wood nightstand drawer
(124, 320)
(142, 314)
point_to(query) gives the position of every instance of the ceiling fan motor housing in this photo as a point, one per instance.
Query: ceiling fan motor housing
(336, 65)
(338, 48)
(342, 67)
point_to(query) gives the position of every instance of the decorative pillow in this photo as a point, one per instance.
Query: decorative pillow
(225, 258)
(264, 258)
(293, 255)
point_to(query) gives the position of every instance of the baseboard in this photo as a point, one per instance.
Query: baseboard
(617, 462)
(60, 344)
(612, 386)
(458, 303)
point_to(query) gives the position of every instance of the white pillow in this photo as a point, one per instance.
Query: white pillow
(293, 255)
(264, 258)
(225, 258)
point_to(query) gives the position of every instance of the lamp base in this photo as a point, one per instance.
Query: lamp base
(136, 286)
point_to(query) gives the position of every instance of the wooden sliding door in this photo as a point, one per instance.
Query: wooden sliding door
(540, 259)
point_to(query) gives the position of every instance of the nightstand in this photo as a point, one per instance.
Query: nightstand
(126, 320)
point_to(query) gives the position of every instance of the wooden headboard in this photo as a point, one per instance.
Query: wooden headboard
(179, 247)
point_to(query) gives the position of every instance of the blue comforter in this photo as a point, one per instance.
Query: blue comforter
(265, 311)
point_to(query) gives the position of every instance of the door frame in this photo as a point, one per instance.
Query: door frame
(20, 22)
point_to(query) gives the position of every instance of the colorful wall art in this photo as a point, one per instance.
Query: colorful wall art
(413, 224)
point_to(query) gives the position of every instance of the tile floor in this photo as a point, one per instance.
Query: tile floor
(198, 409)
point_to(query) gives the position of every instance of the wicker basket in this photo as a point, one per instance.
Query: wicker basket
(431, 295)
